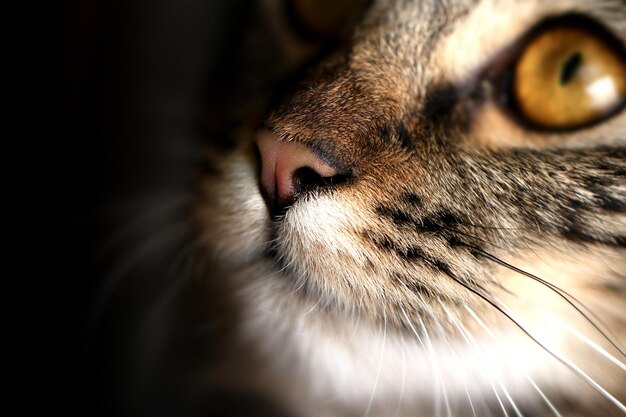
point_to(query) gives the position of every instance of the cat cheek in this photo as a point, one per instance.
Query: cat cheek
(236, 225)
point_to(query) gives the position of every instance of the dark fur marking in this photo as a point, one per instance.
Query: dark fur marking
(428, 225)
(603, 197)
(385, 243)
(595, 183)
(613, 170)
(474, 248)
(435, 222)
(399, 217)
(602, 200)
(440, 102)
(441, 266)
(447, 218)
(441, 223)
(416, 253)
(438, 223)
(403, 136)
(411, 199)
(410, 253)
(455, 242)
(577, 204)
(611, 204)
(385, 134)
(412, 285)
(398, 134)
(575, 234)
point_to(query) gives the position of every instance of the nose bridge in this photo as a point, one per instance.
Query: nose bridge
(366, 96)
(335, 110)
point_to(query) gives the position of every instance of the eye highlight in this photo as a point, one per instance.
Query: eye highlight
(568, 77)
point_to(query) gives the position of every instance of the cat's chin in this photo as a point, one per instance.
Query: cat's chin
(344, 361)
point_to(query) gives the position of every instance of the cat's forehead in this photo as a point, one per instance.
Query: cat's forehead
(458, 36)
(435, 16)
(414, 47)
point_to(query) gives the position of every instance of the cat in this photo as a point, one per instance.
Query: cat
(432, 220)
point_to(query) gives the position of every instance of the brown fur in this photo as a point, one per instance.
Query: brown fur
(442, 183)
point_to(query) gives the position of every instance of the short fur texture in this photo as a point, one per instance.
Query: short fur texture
(459, 269)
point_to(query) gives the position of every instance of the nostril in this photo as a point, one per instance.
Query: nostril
(306, 179)
(288, 169)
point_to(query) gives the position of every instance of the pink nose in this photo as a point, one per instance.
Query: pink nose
(288, 168)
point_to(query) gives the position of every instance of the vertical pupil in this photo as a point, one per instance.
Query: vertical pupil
(571, 64)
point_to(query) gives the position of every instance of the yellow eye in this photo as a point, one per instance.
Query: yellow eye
(568, 77)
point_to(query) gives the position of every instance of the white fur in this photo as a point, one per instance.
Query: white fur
(345, 363)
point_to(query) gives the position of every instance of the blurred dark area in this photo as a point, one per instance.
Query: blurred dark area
(128, 97)
(138, 90)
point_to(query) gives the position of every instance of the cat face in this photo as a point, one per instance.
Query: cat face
(444, 183)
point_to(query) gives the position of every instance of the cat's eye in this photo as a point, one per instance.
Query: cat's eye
(323, 18)
(568, 77)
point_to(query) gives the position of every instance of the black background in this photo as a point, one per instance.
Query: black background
(123, 93)
(120, 98)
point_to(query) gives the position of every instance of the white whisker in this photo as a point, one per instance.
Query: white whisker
(582, 337)
(313, 308)
(380, 364)
(566, 361)
(455, 353)
(544, 397)
(493, 336)
(301, 278)
(356, 325)
(169, 238)
(591, 343)
(431, 353)
(375, 352)
(580, 307)
(401, 397)
(471, 341)
(495, 339)
(442, 387)
(413, 329)
(447, 402)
